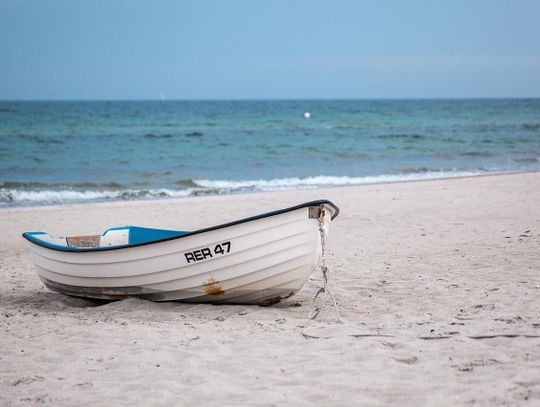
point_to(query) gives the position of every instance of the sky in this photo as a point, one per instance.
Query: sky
(255, 49)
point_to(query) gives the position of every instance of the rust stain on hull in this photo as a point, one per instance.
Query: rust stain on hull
(212, 287)
(116, 297)
(271, 301)
(277, 299)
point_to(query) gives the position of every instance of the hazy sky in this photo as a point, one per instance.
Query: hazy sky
(268, 49)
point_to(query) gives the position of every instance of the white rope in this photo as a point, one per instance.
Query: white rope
(324, 270)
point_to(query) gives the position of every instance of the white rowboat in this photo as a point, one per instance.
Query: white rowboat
(258, 260)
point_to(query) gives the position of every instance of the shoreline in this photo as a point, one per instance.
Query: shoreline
(322, 188)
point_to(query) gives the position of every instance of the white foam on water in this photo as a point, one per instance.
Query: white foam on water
(325, 181)
(14, 196)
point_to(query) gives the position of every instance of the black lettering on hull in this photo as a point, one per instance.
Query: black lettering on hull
(207, 252)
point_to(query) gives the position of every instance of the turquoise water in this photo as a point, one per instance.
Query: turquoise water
(63, 152)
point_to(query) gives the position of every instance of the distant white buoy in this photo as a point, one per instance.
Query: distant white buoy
(307, 115)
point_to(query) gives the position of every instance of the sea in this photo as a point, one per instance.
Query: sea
(55, 152)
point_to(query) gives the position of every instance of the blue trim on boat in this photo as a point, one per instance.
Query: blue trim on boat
(139, 234)
(179, 234)
(115, 228)
(30, 236)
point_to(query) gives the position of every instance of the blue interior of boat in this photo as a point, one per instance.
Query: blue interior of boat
(139, 234)
(136, 235)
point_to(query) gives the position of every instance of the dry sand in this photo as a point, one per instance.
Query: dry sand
(457, 259)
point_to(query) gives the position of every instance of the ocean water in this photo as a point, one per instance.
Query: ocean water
(65, 152)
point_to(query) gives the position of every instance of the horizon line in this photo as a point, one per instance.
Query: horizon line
(264, 99)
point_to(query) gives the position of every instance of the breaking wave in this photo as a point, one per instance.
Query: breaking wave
(17, 194)
(325, 181)
(15, 197)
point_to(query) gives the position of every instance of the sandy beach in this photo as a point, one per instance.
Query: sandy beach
(447, 272)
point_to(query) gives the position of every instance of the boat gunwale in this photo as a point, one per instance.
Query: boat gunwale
(30, 237)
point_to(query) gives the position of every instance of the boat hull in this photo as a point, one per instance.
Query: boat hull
(260, 261)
